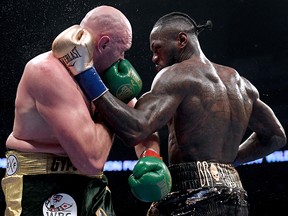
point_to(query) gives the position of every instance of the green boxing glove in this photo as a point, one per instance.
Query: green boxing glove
(151, 179)
(122, 80)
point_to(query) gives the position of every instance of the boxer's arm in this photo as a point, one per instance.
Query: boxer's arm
(268, 134)
(152, 142)
(151, 179)
(153, 110)
(63, 108)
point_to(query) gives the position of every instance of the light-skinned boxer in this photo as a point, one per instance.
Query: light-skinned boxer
(59, 145)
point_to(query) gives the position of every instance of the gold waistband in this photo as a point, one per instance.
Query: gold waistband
(23, 163)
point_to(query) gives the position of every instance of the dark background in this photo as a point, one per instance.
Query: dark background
(250, 36)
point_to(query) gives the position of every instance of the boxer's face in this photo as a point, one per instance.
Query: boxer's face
(164, 49)
(113, 51)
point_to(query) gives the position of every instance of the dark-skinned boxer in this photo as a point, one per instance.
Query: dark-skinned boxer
(208, 108)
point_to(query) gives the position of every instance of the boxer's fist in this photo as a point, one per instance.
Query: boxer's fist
(151, 179)
(74, 48)
(123, 80)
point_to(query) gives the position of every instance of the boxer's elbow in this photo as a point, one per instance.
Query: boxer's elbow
(274, 140)
(281, 139)
(135, 135)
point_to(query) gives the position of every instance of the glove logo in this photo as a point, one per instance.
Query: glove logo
(124, 91)
(163, 187)
(72, 64)
(122, 80)
(73, 54)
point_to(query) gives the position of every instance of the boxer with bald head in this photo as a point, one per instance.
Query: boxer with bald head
(55, 141)
(208, 108)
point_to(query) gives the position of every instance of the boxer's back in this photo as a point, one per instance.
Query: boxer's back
(212, 119)
(28, 123)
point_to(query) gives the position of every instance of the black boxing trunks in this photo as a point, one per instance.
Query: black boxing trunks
(203, 188)
(49, 185)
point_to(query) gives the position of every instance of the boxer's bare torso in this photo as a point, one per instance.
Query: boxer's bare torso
(53, 116)
(213, 114)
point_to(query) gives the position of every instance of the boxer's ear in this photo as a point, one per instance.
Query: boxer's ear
(182, 39)
(103, 42)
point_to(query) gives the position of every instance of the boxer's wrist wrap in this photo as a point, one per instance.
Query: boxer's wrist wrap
(91, 84)
(150, 153)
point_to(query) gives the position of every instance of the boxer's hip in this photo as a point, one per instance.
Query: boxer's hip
(24, 163)
(32, 181)
(201, 174)
(201, 188)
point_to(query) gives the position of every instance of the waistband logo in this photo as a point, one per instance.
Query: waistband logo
(60, 204)
(12, 165)
(213, 174)
(62, 164)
